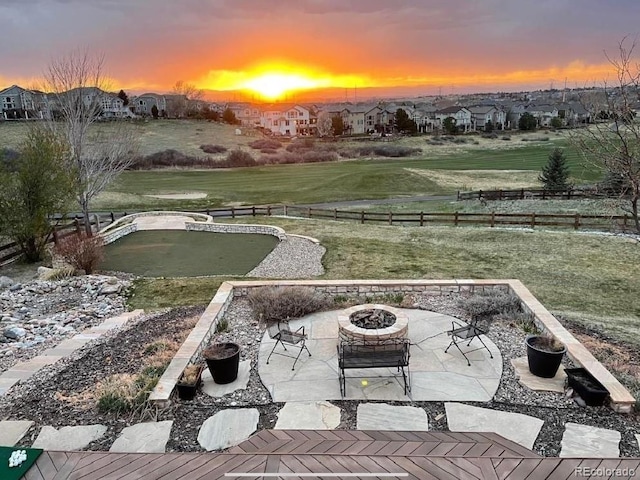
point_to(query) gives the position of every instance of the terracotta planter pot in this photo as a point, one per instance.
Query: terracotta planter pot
(223, 360)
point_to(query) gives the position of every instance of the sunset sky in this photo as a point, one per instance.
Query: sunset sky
(421, 47)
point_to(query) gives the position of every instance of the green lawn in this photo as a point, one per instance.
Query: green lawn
(310, 183)
(590, 278)
(179, 253)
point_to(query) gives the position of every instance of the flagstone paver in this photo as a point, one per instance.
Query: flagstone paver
(308, 416)
(216, 390)
(533, 382)
(638, 439)
(11, 431)
(228, 428)
(522, 429)
(148, 437)
(381, 416)
(68, 438)
(589, 442)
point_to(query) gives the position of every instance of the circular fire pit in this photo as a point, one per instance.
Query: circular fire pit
(372, 323)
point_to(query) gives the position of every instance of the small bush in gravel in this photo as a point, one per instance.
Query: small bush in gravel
(505, 138)
(81, 252)
(489, 304)
(271, 304)
(265, 143)
(213, 148)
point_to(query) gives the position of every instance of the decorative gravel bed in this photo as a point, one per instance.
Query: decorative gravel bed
(37, 400)
(294, 257)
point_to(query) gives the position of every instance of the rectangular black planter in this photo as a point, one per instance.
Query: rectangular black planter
(589, 389)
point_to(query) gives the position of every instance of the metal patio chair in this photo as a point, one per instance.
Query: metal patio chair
(461, 332)
(282, 334)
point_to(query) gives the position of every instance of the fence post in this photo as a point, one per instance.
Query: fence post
(253, 210)
(493, 219)
(455, 219)
(268, 210)
(309, 212)
(479, 194)
(55, 236)
(362, 216)
(458, 196)
(390, 218)
(500, 194)
(522, 194)
(533, 220)
(286, 211)
(335, 214)
(77, 224)
(576, 223)
(233, 212)
(422, 219)
(544, 194)
(624, 224)
(569, 194)
(113, 219)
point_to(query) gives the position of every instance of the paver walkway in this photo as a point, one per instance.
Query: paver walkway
(162, 222)
(308, 416)
(435, 375)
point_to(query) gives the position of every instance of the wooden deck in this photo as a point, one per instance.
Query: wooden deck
(414, 455)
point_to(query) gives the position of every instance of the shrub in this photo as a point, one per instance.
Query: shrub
(315, 156)
(301, 145)
(59, 273)
(268, 151)
(213, 148)
(81, 252)
(271, 304)
(265, 143)
(393, 151)
(239, 158)
(489, 304)
(172, 158)
(492, 135)
(505, 138)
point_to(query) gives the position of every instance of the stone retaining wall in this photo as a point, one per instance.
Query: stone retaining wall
(118, 233)
(620, 399)
(236, 228)
(131, 217)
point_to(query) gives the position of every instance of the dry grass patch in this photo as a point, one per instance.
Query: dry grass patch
(480, 179)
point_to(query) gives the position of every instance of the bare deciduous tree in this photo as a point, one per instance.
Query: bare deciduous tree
(614, 143)
(184, 98)
(324, 125)
(97, 154)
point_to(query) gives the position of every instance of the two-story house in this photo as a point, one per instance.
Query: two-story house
(462, 116)
(482, 115)
(143, 104)
(20, 103)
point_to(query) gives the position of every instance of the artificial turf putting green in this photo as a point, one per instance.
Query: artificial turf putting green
(178, 253)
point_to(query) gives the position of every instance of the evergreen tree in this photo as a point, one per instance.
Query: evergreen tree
(404, 123)
(154, 111)
(229, 117)
(449, 125)
(337, 124)
(555, 173)
(124, 97)
(527, 122)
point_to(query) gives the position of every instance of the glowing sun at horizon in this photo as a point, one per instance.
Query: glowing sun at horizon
(273, 85)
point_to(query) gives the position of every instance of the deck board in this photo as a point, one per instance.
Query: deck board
(422, 455)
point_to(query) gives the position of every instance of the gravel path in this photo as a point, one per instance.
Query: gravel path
(294, 257)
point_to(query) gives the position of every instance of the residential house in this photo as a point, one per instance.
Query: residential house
(107, 105)
(288, 120)
(246, 113)
(462, 116)
(482, 115)
(380, 119)
(573, 113)
(20, 103)
(543, 113)
(143, 104)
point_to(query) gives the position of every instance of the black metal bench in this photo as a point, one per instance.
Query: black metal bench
(389, 353)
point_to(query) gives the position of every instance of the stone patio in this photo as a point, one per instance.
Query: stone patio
(435, 375)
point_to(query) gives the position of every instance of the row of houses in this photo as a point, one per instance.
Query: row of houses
(294, 119)
(291, 120)
(18, 103)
